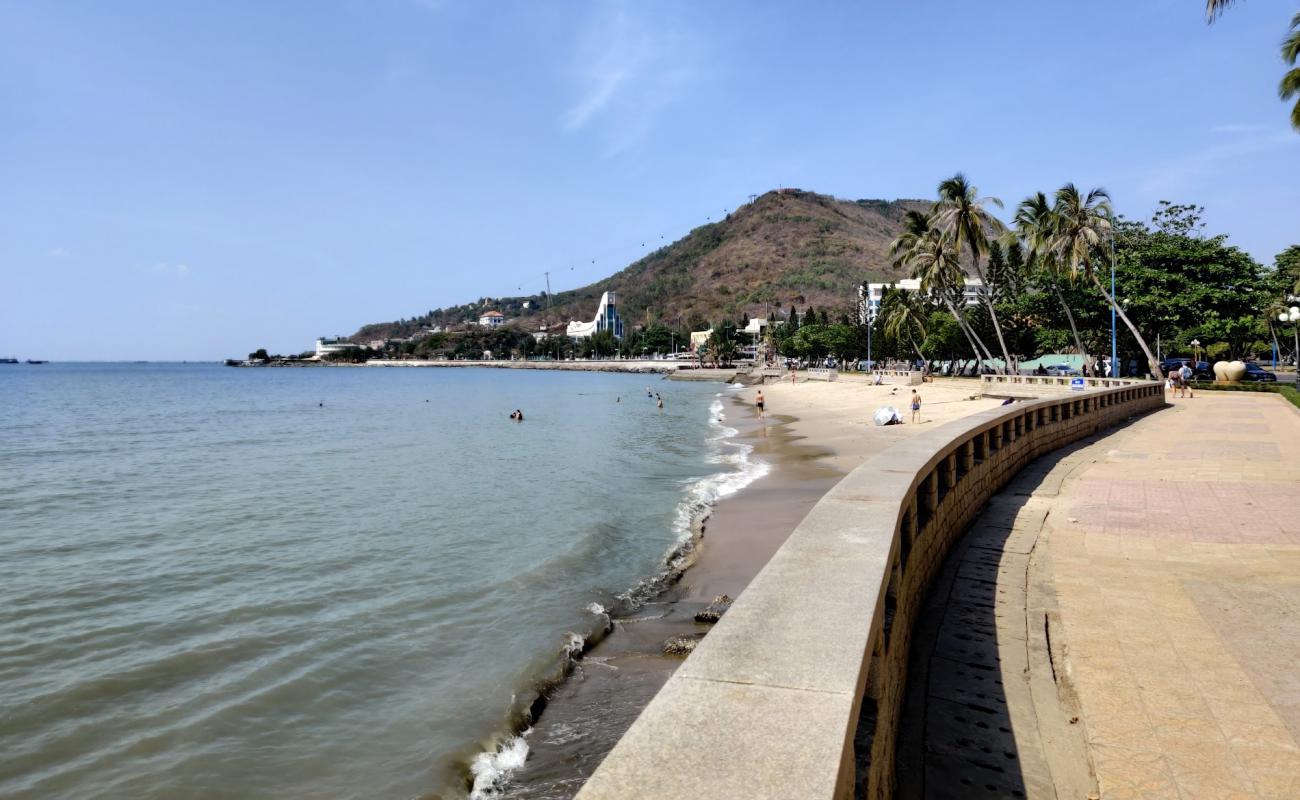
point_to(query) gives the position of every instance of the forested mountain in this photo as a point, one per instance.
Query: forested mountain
(785, 247)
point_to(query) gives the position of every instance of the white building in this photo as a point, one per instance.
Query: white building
(492, 319)
(607, 319)
(326, 346)
(869, 302)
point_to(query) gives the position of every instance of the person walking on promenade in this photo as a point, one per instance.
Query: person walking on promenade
(916, 406)
(758, 403)
(1186, 374)
(792, 373)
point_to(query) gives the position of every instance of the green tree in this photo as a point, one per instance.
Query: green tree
(1036, 225)
(962, 214)
(1083, 228)
(902, 316)
(936, 264)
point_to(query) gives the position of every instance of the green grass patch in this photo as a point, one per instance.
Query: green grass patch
(1289, 392)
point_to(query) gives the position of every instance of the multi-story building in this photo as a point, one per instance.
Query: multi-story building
(869, 301)
(607, 319)
(492, 319)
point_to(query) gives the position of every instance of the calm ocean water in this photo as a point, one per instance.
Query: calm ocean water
(211, 585)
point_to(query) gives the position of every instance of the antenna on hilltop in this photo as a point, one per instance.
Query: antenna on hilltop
(548, 290)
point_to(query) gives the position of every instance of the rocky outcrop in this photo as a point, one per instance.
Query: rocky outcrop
(681, 645)
(714, 611)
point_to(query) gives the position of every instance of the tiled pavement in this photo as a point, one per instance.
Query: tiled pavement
(1175, 558)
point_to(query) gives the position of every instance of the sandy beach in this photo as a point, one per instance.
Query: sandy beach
(814, 433)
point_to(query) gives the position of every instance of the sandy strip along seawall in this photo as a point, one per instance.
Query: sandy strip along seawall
(814, 434)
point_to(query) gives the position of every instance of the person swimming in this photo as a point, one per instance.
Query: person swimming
(519, 415)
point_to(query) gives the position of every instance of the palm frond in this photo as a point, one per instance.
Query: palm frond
(1215, 8)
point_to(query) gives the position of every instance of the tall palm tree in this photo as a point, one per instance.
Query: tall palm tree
(1036, 224)
(903, 315)
(936, 263)
(1083, 227)
(962, 214)
(1290, 85)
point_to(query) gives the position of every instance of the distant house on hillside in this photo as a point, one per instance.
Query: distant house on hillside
(607, 319)
(492, 319)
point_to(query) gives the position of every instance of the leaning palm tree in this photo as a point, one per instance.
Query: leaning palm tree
(1290, 85)
(903, 316)
(936, 263)
(962, 214)
(1036, 223)
(1083, 226)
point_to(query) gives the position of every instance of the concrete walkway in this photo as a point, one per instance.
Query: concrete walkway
(1177, 572)
(1123, 621)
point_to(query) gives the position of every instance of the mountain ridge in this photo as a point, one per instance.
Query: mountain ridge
(786, 247)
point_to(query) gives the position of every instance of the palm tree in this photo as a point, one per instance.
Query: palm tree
(915, 226)
(962, 214)
(903, 315)
(1215, 8)
(936, 263)
(1036, 226)
(1290, 85)
(1083, 226)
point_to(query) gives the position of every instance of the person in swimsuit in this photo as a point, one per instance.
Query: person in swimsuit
(916, 406)
(659, 401)
(758, 403)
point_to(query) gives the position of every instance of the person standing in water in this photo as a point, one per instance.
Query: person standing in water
(659, 401)
(916, 406)
(758, 403)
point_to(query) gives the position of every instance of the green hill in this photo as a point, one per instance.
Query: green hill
(786, 247)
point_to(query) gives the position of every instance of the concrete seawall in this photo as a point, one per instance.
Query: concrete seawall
(803, 679)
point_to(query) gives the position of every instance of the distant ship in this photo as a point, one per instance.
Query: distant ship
(36, 361)
(8, 361)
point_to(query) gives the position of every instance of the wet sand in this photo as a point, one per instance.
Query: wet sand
(826, 432)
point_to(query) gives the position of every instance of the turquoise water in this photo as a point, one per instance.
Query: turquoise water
(222, 582)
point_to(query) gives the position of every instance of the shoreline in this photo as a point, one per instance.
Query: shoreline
(823, 432)
(620, 672)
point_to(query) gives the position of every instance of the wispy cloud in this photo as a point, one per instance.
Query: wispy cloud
(1239, 143)
(626, 70)
(163, 268)
(59, 252)
(1237, 127)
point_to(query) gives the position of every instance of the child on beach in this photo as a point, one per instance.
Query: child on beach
(916, 406)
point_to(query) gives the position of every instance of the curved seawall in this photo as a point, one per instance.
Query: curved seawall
(808, 668)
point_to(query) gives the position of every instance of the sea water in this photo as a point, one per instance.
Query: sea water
(332, 582)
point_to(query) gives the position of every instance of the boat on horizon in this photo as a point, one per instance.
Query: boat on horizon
(34, 361)
(8, 361)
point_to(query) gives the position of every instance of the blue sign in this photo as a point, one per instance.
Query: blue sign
(1076, 384)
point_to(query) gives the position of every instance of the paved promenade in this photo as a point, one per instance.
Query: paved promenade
(1132, 606)
(1177, 572)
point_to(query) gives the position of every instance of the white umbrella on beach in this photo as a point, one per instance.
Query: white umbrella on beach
(885, 415)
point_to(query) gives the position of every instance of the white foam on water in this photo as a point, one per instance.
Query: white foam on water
(597, 609)
(701, 494)
(492, 769)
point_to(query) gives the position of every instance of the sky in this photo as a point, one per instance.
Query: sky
(195, 180)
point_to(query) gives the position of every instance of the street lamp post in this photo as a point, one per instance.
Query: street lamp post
(1114, 348)
(1292, 315)
(1196, 350)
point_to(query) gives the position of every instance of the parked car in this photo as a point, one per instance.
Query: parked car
(1201, 370)
(1062, 370)
(1254, 372)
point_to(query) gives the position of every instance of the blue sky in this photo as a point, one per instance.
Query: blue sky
(186, 180)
